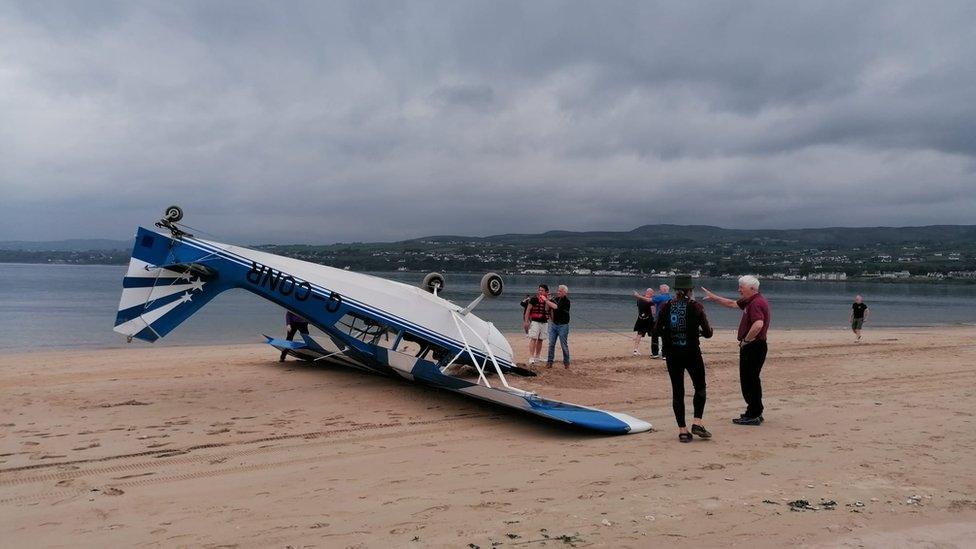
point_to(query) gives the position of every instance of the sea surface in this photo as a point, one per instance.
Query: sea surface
(73, 306)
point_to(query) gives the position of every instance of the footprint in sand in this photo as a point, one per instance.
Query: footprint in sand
(89, 447)
(36, 457)
(159, 445)
(430, 511)
(491, 505)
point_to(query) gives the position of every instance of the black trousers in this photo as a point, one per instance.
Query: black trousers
(654, 344)
(295, 327)
(751, 359)
(678, 362)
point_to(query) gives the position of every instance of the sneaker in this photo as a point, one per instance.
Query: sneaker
(548, 364)
(700, 431)
(655, 356)
(531, 360)
(748, 420)
(636, 352)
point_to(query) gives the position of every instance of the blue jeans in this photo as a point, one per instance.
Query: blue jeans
(560, 331)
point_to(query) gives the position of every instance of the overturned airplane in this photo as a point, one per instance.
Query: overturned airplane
(371, 323)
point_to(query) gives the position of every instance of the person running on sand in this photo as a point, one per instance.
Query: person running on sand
(536, 322)
(645, 318)
(859, 315)
(680, 323)
(752, 344)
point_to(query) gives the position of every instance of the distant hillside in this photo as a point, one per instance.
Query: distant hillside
(679, 235)
(657, 235)
(936, 252)
(72, 245)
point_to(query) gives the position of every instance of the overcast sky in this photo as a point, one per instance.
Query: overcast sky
(323, 122)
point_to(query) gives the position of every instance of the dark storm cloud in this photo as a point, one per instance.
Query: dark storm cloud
(371, 121)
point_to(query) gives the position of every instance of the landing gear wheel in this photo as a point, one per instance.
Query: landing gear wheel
(433, 283)
(492, 285)
(173, 214)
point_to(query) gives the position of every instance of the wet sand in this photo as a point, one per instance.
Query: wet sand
(224, 446)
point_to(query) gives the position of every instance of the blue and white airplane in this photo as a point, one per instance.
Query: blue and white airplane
(373, 324)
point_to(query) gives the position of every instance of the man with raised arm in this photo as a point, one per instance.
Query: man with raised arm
(752, 344)
(559, 327)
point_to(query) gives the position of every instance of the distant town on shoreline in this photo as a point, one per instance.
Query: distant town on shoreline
(931, 253)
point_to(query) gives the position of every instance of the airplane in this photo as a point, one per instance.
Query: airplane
(370, 323)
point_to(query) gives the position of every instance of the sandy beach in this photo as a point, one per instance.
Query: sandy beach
(222, 446)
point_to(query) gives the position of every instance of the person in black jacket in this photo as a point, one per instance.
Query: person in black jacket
(559, 327)
(680, 323)
(645, 318)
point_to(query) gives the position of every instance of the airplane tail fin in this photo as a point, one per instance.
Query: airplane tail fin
(159, 291)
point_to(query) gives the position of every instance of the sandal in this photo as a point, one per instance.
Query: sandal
(700, 431)
(684, 437)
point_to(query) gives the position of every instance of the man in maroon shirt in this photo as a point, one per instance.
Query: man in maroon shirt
(752, 344)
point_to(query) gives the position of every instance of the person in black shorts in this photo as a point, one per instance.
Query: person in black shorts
(680, 323)
(645, 317)
(859, 314)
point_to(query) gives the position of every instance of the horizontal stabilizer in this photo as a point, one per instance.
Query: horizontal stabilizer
(282, 344)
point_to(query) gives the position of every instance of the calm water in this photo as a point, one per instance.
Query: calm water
(61, 306)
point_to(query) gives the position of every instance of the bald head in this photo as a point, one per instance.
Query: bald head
(665, 288)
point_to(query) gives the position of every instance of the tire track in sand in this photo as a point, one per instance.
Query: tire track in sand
(68, 493)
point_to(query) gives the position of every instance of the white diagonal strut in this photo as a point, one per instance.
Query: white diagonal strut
(489, 355)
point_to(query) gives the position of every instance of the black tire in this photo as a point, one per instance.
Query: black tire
(492, 285)
(433, 281)
(174, 214)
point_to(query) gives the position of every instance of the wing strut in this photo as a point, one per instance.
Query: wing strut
(489, 356)
(341, 351)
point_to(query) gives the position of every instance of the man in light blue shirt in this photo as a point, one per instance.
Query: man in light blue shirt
(662, 297)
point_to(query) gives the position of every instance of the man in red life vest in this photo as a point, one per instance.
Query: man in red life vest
(536, 322)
